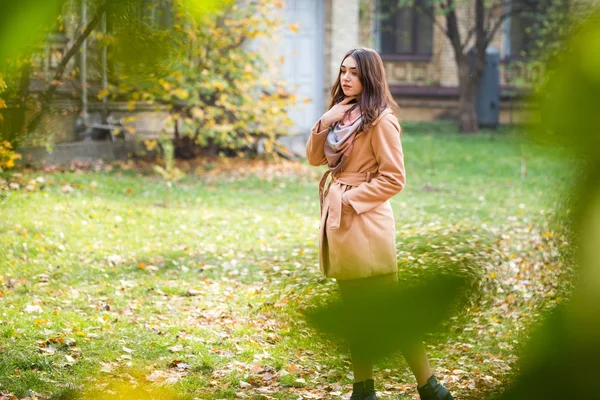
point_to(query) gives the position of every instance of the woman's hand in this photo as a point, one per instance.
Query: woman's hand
(337, 112)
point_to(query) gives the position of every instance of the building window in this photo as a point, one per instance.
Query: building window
(522, 35)
(405, 29)
(525, 29)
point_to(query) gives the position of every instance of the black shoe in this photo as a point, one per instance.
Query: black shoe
(433, 390)
(364, 390)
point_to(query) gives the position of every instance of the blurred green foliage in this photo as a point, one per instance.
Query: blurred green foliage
(445, 273)
(561, 360)
(24, 23)
(568, 97)
(195, 57)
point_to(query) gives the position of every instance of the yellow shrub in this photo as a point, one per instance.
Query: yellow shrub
(7, 156)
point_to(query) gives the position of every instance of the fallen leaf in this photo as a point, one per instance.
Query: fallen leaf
(176, 348)
(293, 369)
(256, 369)
(33, 309)
(245, 385)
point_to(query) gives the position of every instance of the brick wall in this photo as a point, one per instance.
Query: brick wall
(343, 30)
(441, 68)
(441, 71)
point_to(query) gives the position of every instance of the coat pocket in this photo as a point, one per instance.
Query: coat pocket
(347, 209)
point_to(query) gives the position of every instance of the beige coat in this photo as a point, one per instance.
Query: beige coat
(359, 240)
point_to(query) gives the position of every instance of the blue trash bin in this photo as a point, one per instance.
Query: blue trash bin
(487, 102)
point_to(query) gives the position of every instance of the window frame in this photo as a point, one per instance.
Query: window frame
(412, 55)
(510, 53)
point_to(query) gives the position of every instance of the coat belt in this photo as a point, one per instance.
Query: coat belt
(334, 190)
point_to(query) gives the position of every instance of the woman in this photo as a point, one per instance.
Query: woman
(358, 138)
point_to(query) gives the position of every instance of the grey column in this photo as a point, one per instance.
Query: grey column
(344, 33)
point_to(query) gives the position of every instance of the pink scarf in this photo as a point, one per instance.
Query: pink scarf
(339, 143)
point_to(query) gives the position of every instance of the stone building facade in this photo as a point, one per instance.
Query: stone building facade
(418, 57)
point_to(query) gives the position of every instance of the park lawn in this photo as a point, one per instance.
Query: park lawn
(101, 284)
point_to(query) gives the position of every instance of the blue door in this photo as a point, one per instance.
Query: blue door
(304, 62)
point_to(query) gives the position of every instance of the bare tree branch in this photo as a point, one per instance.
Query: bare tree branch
(492, 32)
(495, 5)
(483, 24)
(503, 17)
(452, 26)
(514, 9)
(490, 13)
(480, 33)
(432, 16)
(439, 25)
(469, 36)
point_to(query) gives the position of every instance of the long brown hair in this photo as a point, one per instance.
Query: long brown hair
(375, 96)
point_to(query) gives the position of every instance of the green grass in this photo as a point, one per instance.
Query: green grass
(226, 270)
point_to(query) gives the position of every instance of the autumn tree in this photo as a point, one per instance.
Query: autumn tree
(220, 91)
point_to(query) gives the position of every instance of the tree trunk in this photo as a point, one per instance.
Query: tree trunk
(467, 87)
(186, 148)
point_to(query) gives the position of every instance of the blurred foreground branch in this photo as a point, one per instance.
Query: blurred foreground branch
(60, 69)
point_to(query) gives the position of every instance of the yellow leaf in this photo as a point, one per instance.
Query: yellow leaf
(166, 85)
(293, 369)
(131, 105)
(181, 93)
(2, 104)
(150, 144)
(102, 94)
(294, 27)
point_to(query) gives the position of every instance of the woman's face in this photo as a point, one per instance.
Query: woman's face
(351, 85)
